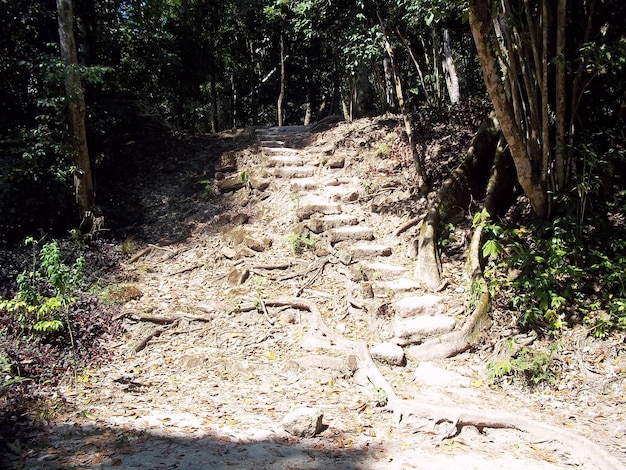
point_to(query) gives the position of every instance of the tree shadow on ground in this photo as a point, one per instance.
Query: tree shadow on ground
(67, 446)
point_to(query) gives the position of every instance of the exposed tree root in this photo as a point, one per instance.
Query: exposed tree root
(468, 181)
(156, 332)
(455, 342)
(581, 447)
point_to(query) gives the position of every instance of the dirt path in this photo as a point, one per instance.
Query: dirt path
(218, 351)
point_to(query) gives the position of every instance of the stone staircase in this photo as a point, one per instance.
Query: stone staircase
(332, 207)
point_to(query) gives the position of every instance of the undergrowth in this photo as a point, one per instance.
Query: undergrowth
(559, 272)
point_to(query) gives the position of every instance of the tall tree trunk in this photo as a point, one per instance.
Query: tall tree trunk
(281, 95)
(83, 182)
(528, 176)
(420, 173)
(452, 79)
(214, 120)
(389, 98)
(560, 154)
(409, 49)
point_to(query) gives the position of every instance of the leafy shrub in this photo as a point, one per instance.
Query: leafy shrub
(45, 291)
(550, 272)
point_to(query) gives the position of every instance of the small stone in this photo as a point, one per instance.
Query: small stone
(430, 374)
(259, 244)
(388, 353)
(336, 162)
(285, 160)
(228, 252)
(303, 422)
(366, 290)
(260, 184)
(237, 277)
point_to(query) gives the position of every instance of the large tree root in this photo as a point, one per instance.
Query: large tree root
(579, 446)
(455, 342)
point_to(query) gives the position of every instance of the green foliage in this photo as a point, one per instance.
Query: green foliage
(534, 366)
(549, 271)
(7, 375)
(45, 291)
(301, 243)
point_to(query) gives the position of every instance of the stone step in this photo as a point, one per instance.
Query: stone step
(284, 160)
(369, 250)
(304, 184)
(413, 306)
(280, 150)
(343, 193)
(341, 234)
(322, 224)
(316, 205)
(339, 180)
(414, 330)
(271, 143)
(396, 286)
(289, 172)
(380, 270)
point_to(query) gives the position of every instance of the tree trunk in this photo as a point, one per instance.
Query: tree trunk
(391, 104)
(281, 95)
(560, 154)
(466, 183)
(214, 121)
(528, 177)
(409, 49)
(83, 183)
(452, 79)
(420, 173)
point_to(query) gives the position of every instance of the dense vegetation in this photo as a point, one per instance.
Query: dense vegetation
(554, 72)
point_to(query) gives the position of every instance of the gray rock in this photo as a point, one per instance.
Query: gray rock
(388, 353)
(303, 422)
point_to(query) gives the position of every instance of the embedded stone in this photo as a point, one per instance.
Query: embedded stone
(319, 225)
(303, 422)
(230, 183)
(237, 277)
(304, 171)
(388, 353)
(366, 250)
(400, 285)
(285, 160)
(419, 305)
(303, 184)
(372, 270)
(317, 205)
(350, 233)
(260, 184)
(414, 330)
(258, 244)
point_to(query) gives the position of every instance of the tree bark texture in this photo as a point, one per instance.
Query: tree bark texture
(452, 79)
(281, 95)
(529, 176)
(83, 182)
